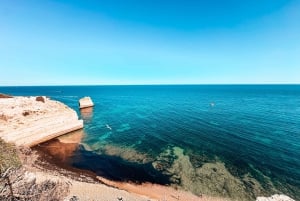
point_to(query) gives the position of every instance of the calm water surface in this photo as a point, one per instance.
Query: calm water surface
(242, 139)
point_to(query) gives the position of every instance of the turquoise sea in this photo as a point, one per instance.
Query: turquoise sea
(237, 141)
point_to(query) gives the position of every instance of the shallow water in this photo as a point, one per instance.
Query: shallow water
(238, 141)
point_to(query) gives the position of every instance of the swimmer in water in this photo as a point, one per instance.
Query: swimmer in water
(107, 126)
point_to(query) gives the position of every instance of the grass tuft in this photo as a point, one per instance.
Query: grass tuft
(8, 156)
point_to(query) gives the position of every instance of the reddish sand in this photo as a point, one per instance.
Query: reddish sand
(158, 192)
(64, 146)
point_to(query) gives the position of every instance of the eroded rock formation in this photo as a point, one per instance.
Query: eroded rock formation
(29, 121)
(85, 102)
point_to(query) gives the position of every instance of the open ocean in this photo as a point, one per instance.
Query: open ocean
(237, 141)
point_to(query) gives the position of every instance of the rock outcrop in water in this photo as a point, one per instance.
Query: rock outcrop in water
(85, 102)
(31, 120)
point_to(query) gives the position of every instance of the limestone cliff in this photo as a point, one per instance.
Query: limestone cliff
(31, 120)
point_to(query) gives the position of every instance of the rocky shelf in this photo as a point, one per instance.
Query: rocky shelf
(29, 121)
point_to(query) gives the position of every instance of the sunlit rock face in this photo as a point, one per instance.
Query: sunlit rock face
(276, 197)
(28, 121)
(85, 102)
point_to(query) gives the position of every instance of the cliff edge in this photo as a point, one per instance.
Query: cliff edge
(32, 120)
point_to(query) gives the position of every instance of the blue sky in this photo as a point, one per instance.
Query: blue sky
(67, 42)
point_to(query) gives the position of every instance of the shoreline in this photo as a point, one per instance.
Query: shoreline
(28, 121)
(74, 183)
(141, 192)
(150, 191)
(46, 166)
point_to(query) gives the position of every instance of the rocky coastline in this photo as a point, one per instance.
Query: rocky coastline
(29, 121)
(30, 174)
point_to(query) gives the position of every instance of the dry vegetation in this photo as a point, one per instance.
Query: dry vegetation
(18, 184)
(8, 157)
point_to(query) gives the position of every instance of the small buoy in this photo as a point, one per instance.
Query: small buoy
(212, 104)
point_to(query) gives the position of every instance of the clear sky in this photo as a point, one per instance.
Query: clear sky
(67, 42)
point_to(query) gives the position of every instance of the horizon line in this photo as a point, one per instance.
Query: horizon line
(156, 84)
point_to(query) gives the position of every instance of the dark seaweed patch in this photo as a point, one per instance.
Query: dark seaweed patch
(118, 169)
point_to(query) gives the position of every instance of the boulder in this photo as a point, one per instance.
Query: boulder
(85, 102)
(276, 197)
(40, 98)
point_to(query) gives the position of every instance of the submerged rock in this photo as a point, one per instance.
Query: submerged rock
(210, 178)
(276, 197)
(85, 102)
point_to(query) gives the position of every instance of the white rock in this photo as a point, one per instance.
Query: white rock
(276, 197)
(29, 177)
(85, 102)
(25, 121)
